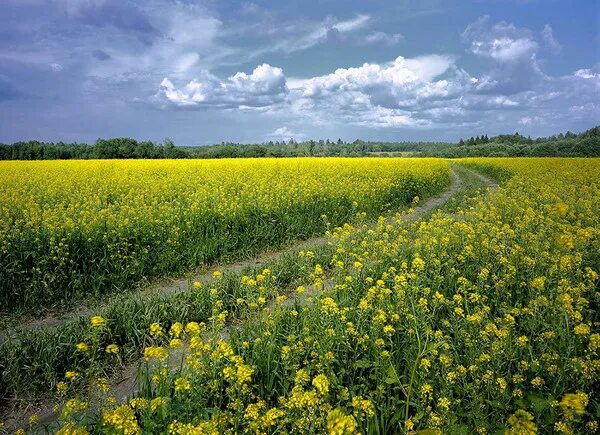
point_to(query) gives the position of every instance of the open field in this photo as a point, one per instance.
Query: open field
(70, 230)
(479, 317)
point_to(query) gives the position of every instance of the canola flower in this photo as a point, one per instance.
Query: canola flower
(479, 322)
(89, 226)
(98, 321)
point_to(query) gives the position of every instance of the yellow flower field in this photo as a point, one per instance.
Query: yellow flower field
(69, 229)
(481, 321)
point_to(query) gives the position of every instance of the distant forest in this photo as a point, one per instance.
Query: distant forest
(586, 144)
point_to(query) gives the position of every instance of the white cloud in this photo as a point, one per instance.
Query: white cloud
(265, 86)
(424, 92)
(187, 43)
(396, 78)
(285, 133)
(549, 39)
(502, 42)
(586, 73)
(384, 38)
(316, 34)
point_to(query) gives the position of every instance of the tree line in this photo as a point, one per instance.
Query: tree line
(584, 144)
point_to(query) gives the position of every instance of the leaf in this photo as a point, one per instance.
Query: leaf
(458, 429)
(392, 377)
(362, 364)
(538, 402)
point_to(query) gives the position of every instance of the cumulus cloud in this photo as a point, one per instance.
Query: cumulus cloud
(586, 73)
(265, 86)
(429, 91)
(285, 133)
(548, 37)
(401, 83)
(384, 38)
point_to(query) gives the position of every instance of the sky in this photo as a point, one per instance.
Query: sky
(202, 72)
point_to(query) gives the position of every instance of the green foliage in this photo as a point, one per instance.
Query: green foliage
(586, 144)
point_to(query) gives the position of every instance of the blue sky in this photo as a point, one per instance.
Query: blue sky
(220, 70)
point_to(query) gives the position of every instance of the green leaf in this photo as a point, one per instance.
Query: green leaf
(392, 377)
(362, 364)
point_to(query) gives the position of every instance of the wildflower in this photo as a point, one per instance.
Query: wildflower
(582, 329)
(122, 419)
(537, 382)
(176, 330)
(301, 377)
(156, 330)
(389, 329)
(138, 403)
(34, 419)
(182, 384)
(270, 416)
(321, 383)
(574, 403)
(70, 375)
(364, 405)
(175, 343)
(62, 387)
(197, 285)
(538, 283)
(82, 347)
(521, 423)
(73, 406)
(157, 403)
(217, 274)
(102, 384)
(426, 390)
(244, 373)
(522, 340)
(192, 328)
(501, 384)
(444, 403)
(418, 264)
(338, 423)
(97, 321)
(158, 353)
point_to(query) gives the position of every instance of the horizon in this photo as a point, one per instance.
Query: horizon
(316, 140)
(206, 72)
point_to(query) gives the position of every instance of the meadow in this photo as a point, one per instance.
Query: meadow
(481, 318)
(76, 229)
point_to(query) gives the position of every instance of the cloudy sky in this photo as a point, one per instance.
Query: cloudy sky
(206, 71)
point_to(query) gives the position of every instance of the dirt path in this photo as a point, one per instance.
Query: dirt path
(124, 384)
(166, 286)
